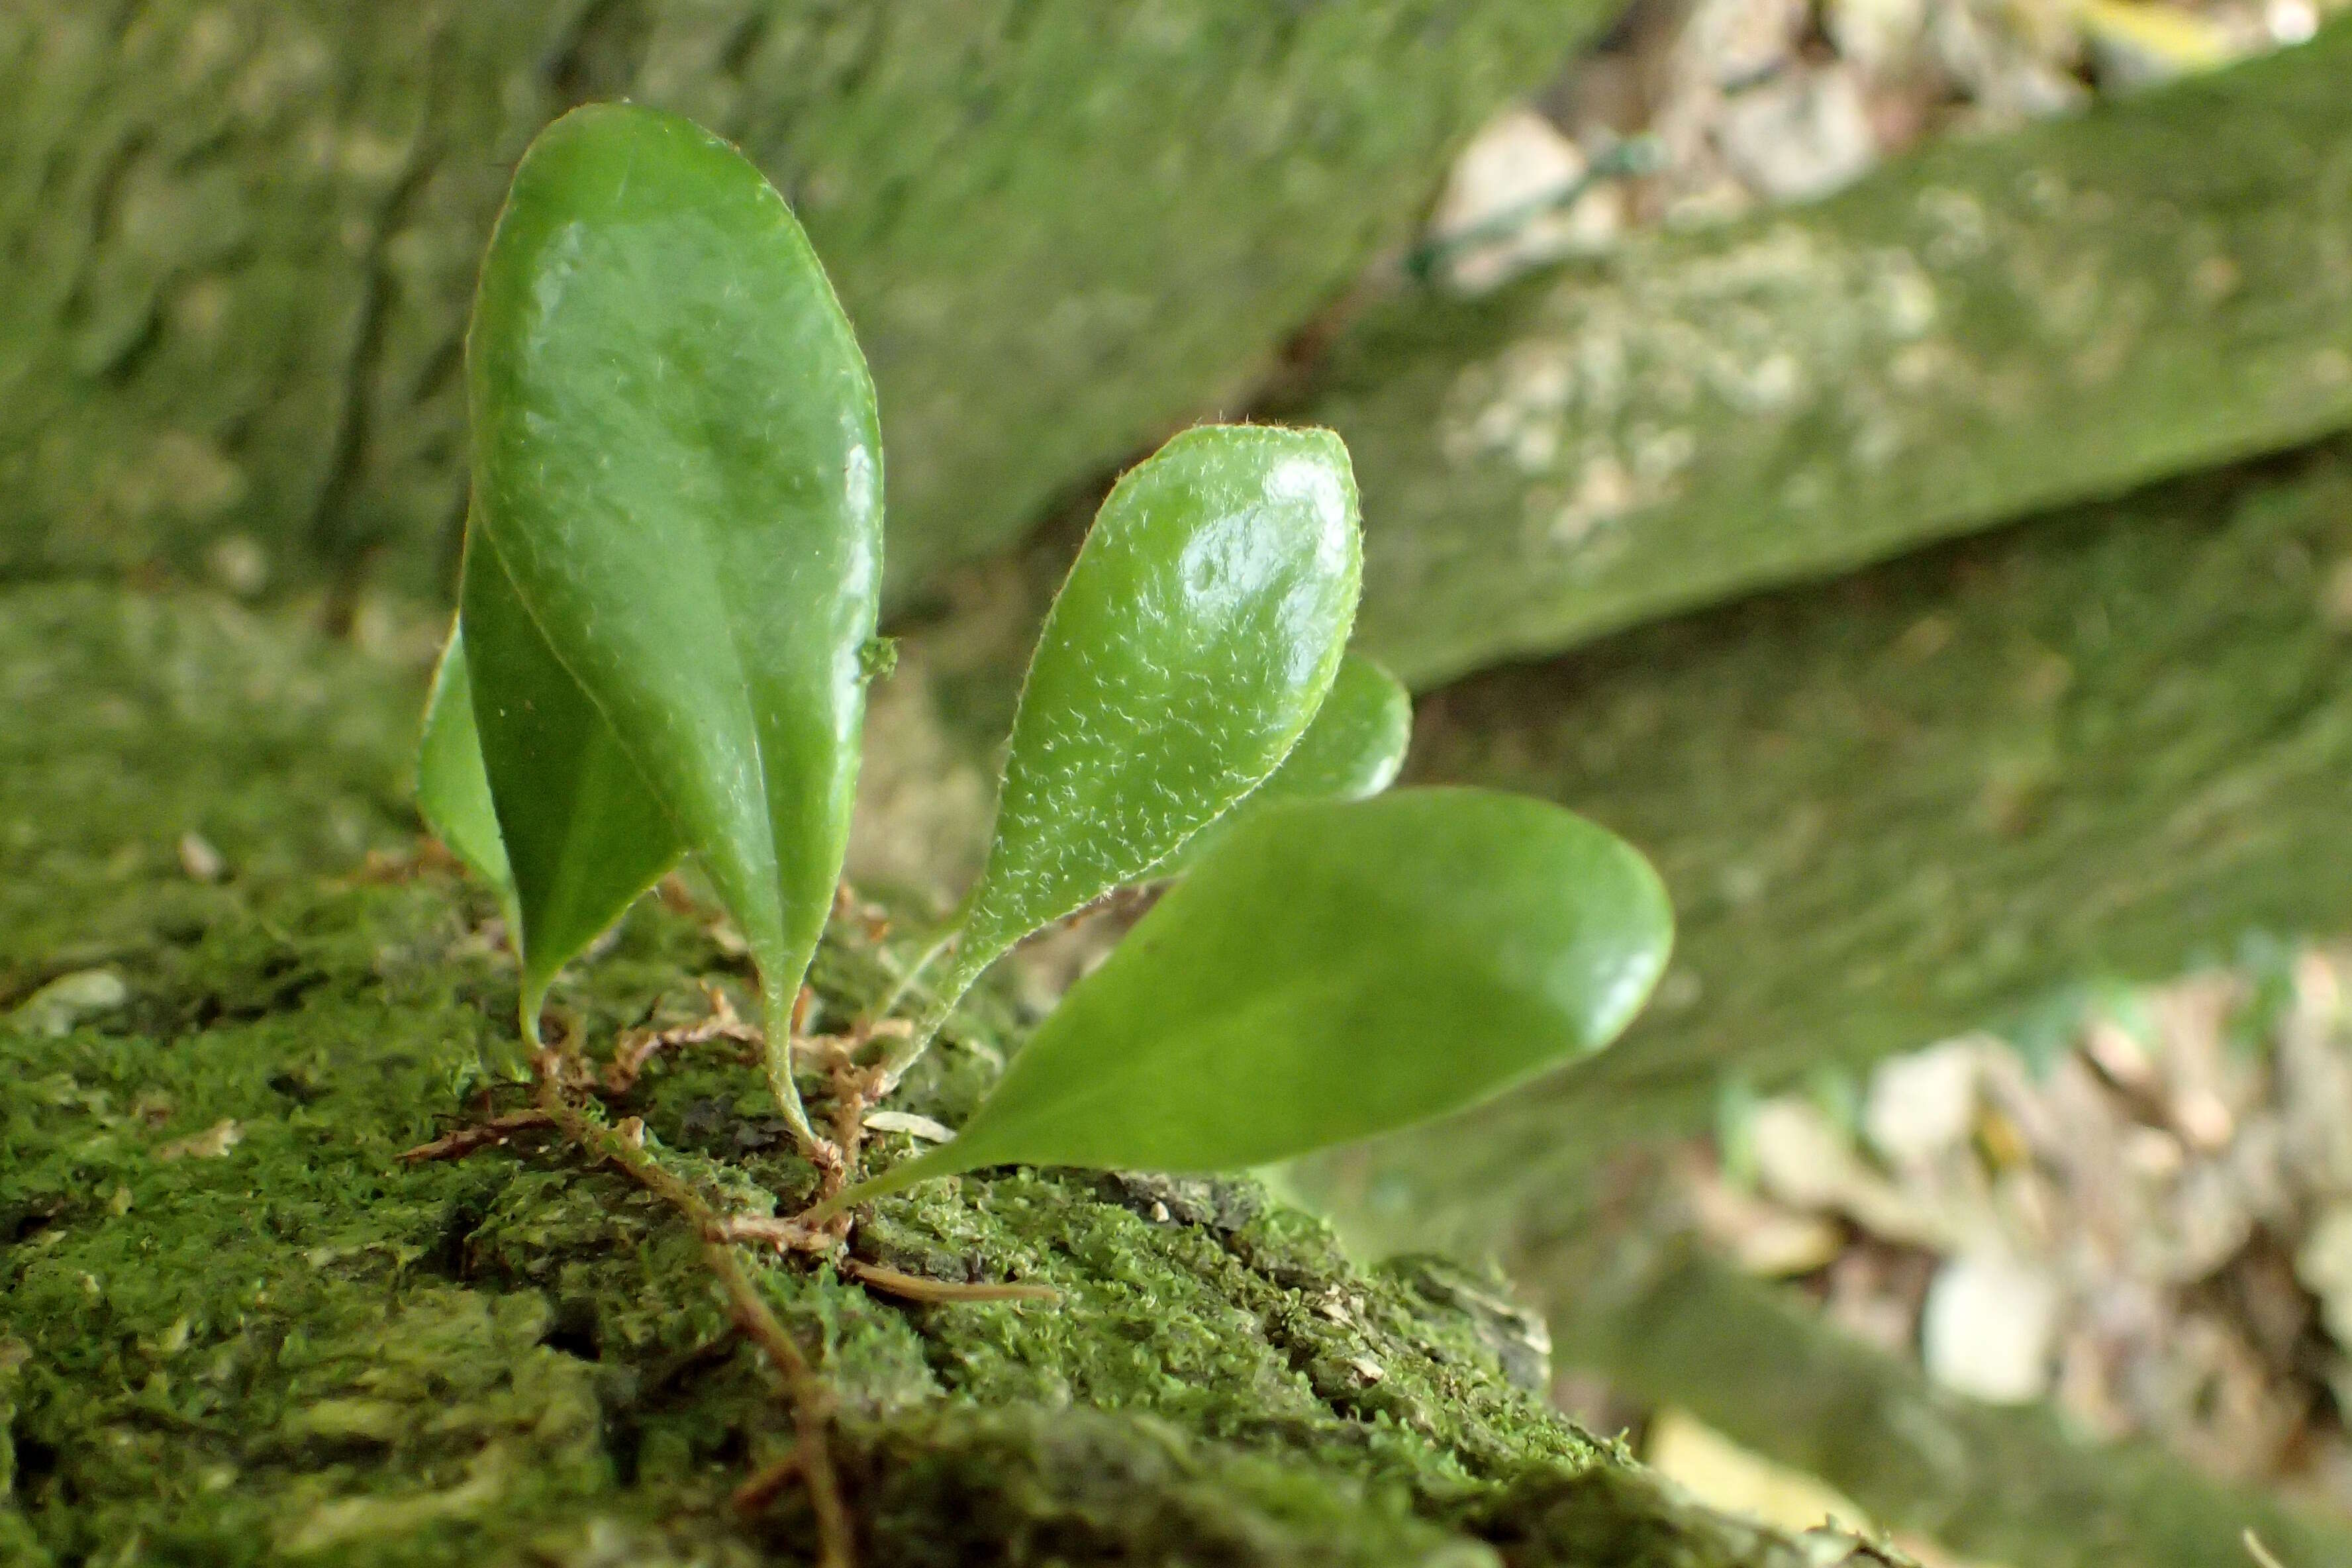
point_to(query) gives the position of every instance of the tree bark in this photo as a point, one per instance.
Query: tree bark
(241, 238)
(1991, 328)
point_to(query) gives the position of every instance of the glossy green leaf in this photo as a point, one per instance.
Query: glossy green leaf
(583, 833)
(677, 461)
(453, 792)
(587, 837)
(1195, 636)
(1352, 751)
(1327, 972)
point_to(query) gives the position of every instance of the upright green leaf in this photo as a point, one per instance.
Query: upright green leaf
(1195, 636)
(586, 835)
(677, 461)
(1327, 972)
(453, 792)
(583, 835)
(1352, 751)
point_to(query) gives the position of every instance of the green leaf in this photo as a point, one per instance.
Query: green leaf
(1352, 751)
(677, 461)
(453, 792)
(1195, 636)
(586, 835)
(1330, 971)
(583, 833)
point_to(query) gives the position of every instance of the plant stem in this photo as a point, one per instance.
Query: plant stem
(2258, 1551)
(902, 1054)
(826, 1210)
(778, 1014)
(915, 972)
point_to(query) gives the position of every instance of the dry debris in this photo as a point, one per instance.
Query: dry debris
(1696, 110)
(2153, 1228)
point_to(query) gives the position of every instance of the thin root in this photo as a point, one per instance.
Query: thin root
(915, 1287)
(630, 1057)
(565, 1079)
(783, 1234)
(466, 1140)
(755, 1494)
(811, 1402)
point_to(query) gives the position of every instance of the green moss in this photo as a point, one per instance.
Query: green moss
(245, 1323)
(236, 1328)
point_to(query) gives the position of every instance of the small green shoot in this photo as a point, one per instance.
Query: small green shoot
(667, 622)
(1329, 971)
(1186, 653)
(676, 465)
(666, 625)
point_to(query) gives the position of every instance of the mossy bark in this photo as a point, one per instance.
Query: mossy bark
(2109, 742)
(242, 235)
(1988, 329)
(235, 1327)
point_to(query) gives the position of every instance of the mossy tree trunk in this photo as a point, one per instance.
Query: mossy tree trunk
(235, 1326)
(241, 236)
(1993, 327)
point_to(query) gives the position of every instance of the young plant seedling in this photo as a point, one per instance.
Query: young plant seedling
(674, 554)
(666, 622)
(665, 625)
